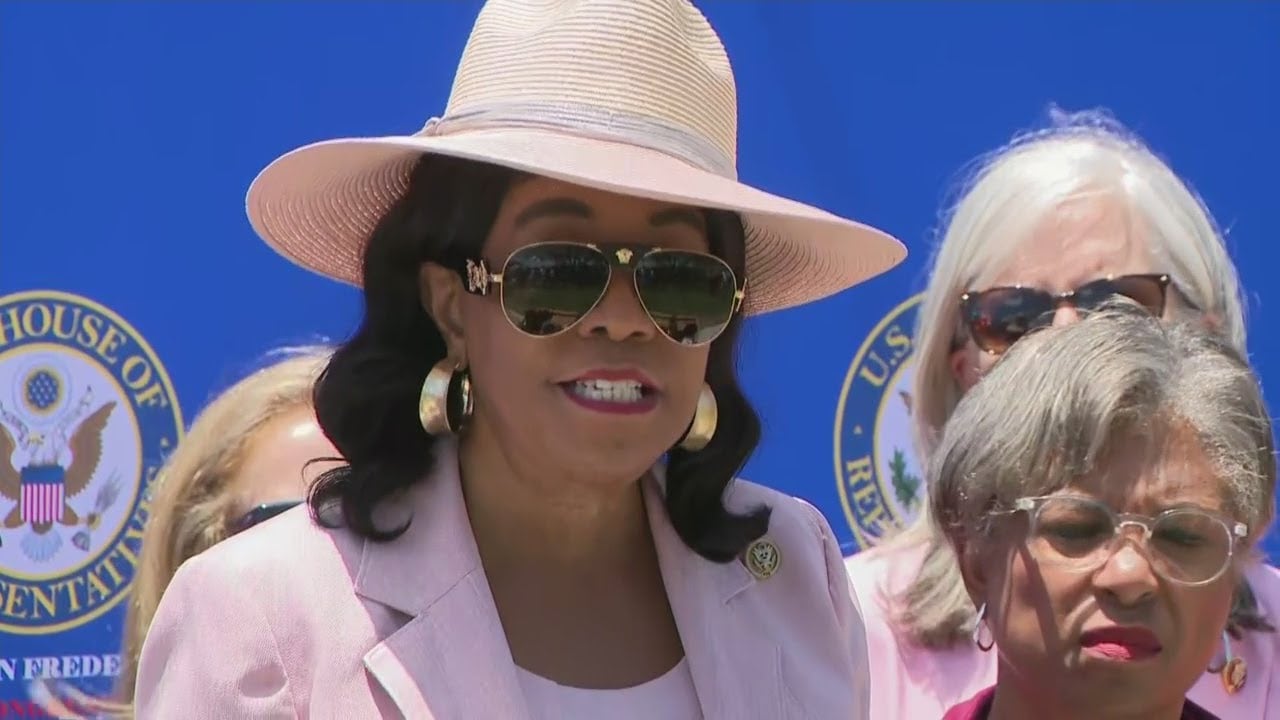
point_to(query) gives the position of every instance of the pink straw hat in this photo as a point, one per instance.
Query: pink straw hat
(634, 97)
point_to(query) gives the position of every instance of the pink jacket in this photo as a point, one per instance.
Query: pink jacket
(913, 683)
(290, 620)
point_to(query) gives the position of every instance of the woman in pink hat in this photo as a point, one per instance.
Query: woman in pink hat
(1048, 227)
(539, 518)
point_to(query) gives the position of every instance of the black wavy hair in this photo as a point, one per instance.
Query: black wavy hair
(366, 399)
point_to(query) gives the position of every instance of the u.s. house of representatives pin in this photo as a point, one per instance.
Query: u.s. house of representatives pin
(762, 558)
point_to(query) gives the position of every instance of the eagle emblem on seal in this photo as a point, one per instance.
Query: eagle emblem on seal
(58, 464)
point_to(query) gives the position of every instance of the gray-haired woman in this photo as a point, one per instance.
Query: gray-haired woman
(1102, 490)
(1056, 222)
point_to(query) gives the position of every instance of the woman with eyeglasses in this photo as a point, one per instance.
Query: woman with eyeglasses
(1047, 228)
(539, 516)
(1103, 489)
(246, 458)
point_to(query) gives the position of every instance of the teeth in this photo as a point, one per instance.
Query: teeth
(618, 391)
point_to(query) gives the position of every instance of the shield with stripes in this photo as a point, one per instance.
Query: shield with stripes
(42, 493)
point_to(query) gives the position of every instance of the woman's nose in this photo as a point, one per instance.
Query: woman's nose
(619, 315)
(1127, 575)
(1065, 314)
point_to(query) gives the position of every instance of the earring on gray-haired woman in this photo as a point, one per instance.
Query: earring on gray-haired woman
(1233, 670)
(979, 626)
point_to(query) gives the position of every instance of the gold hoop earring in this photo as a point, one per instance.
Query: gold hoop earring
(703, 427)
(445, 402)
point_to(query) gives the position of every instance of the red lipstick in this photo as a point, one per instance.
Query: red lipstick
(1121, 643)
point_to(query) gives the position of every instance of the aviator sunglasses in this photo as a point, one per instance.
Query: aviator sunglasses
(999, 316)
(547, 288)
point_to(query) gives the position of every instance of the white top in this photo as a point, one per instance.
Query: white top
(670, 697)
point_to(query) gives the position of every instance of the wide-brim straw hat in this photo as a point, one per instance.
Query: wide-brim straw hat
(634, 97)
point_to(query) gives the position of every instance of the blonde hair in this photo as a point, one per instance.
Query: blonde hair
(1009, 193)
(191, 498)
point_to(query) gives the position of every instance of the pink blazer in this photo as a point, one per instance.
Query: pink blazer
(290, 620)
(910, 682)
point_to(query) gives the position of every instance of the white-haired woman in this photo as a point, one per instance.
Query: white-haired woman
(1052, 224)
(1102, 511)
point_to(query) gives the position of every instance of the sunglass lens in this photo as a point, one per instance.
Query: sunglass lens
(264, 512)
(1146, 290)
(998, 318)
(689, 296)
(548, 287)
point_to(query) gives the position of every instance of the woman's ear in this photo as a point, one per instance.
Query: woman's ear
(959, 361)
(1212, 322)
(964, 365)
(440, 290)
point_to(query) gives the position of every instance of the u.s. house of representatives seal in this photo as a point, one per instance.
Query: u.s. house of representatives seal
(87, 414)
(879, 481)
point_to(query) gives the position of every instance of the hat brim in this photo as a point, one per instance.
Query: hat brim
(318, 204)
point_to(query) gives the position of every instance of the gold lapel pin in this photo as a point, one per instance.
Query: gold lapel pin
(762, 559)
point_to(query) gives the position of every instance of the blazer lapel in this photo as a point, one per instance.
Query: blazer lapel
(451, 660)
(735, 662)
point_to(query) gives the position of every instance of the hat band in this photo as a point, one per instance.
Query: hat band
(590, 122)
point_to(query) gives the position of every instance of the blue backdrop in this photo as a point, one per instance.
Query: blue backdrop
(129, 132)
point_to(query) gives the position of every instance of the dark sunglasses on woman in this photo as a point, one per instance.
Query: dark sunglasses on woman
(547, 288)
(262, 513)
(999, 316)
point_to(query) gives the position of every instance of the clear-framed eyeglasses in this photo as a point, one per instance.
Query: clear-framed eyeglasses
(1185, 545)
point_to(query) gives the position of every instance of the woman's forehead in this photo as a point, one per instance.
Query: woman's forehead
(536, 205)
(1143, 474)
(1075, 242)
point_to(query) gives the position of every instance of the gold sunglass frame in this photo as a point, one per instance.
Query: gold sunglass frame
(479, 280)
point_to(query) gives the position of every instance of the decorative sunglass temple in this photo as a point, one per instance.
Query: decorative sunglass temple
(479, 279)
